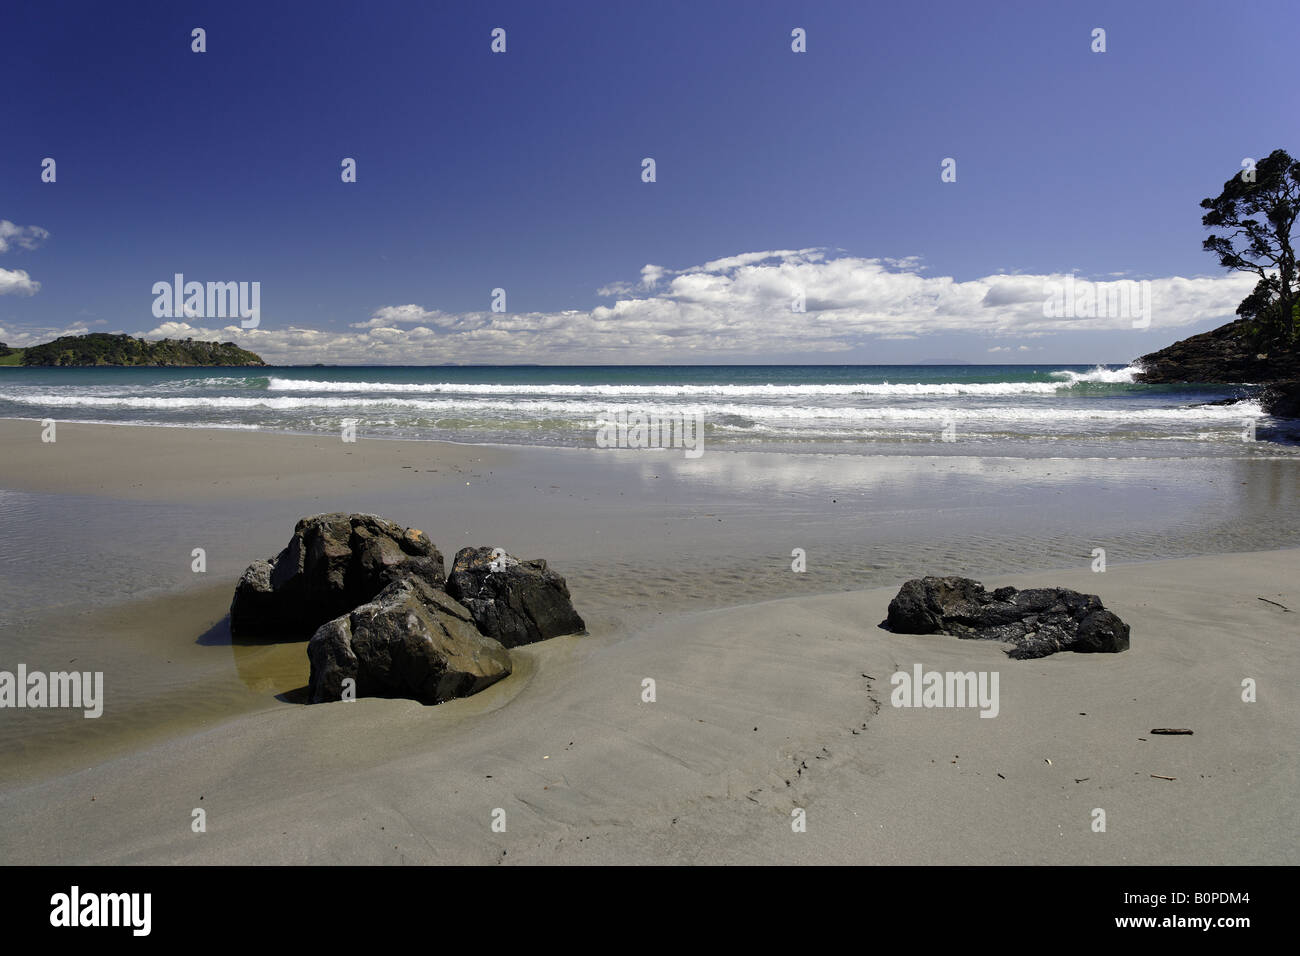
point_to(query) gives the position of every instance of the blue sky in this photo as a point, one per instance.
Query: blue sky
(522, 171)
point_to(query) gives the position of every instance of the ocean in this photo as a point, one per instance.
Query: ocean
(987, 410)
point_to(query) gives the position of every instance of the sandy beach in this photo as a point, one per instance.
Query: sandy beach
(772, 689)
(604, 437)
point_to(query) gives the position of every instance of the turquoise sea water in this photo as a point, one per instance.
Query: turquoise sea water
(1012, 410)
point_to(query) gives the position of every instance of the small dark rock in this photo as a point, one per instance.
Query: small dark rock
(1222, 402)
(1037, 621)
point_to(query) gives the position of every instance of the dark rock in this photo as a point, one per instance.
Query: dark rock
(254, 600)
(1222, 402)
(372, 598)
(516, 602)
(333, 563)
(1281, 399)
(1037, 621)
(412, 641)
(1227, 354)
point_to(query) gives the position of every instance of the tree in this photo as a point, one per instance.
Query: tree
(1258, 208)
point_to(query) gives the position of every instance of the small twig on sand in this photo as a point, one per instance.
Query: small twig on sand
(1170, 730)
(1160, 776)
(1275, 604)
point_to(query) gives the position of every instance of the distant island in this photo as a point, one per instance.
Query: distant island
(101, 348)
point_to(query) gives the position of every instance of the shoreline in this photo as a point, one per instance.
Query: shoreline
(216, 447)
(814, 447)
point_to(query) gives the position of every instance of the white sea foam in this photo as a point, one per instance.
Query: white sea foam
(469, 407)
(1099, 375)
(1073, 404)
(884, 389)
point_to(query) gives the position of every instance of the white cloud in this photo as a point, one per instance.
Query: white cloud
(739, 306)
(17, 282)
(650, 276)
(393, 315)
(736, 308)
(22, 338)
(25, 237)
(730, 263)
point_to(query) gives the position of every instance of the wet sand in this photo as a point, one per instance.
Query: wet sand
(156, 463)
(759, 711)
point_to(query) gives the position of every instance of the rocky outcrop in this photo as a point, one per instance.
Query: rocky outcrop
(383, 621)
(333, 563)
(411, 641)
(1281, 399)
(1036, 622)
(1224, 355)
(516, 602)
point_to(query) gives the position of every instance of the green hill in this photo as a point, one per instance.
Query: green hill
(100, 348)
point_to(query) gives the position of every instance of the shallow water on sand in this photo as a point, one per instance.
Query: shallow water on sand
(718, 530)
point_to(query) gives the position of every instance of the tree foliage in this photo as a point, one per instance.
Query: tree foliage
(1256, 216)
(100, 348)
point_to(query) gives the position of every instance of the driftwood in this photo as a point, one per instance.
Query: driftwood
(1171, 730)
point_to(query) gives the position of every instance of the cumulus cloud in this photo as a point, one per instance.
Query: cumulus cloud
(395, 315)
(650, 276)
(23, 237)
(22, 338)
(737, 308)
(17, 282)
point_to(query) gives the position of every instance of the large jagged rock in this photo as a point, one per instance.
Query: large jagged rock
(333, 563)
(412, 641)
(516, 602)
(1226, 355)
(1037, 621)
